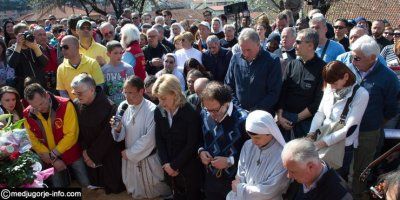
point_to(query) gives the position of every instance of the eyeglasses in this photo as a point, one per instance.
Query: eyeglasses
(388, 33)
(66, 47)
(109, 33)
(396, 34)
(355, 58)
(339, 27)
(215, 110)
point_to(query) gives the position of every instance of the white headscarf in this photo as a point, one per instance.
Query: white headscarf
(172, 35)
(221, 27)
(261, 122)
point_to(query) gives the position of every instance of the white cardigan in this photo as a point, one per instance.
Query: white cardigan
(329, 113)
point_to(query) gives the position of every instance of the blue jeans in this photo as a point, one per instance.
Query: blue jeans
(63, 178)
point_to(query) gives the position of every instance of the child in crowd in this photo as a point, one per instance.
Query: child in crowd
(115, 72)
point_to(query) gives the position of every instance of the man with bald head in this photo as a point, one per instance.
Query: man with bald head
(51, 53)
(108, 33)
(194, 99)
(154, 52)
(74, 64)
(377, 29)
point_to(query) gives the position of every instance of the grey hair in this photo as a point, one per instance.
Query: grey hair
(357, 28)
(159, 28)
(249, 34)
(318, 19)
(212, 39)
(37, 28)
(300, 150)
(226, 26)
(392, 181)
(151, 29)
(131, 32)
(290, 30)
(310, 35)
(159, 18)
(106, 24)
(367, 45)
(83, 79)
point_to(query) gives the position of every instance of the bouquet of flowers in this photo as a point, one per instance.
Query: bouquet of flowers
(19, 167)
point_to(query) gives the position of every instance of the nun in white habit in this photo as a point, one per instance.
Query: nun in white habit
(260, 175)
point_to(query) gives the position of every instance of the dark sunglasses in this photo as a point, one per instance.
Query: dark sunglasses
(389, 33)
(396, 34)
(66, 47)
(86, 28)
(339, 27)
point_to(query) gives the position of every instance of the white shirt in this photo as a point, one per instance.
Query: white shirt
(182, 55)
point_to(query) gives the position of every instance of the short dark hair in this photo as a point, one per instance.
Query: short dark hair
(223, 17)
(111, 45)
(32, 89)
(167, 12)
(18, 27)
(217, 91)
(335, 70)
(342, 20)
(135, 81)
(207, 11)
(73, 20)
(281, 16)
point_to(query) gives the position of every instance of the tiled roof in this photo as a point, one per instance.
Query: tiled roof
(181, 14)
(370, 9)
(59, 13)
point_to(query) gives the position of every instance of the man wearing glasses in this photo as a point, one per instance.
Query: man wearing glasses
(52, 125)
(74, 64)
(302, 81)
(340, 29)
(223, 137)
(88, 46)
(108, 33)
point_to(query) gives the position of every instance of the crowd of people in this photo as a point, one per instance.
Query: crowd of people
(205, 109)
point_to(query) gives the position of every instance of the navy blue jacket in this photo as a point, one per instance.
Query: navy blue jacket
(255, 85)
(218, 64)
(383, 88)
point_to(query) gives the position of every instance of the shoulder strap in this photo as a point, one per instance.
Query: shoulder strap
(346, 107)
(324, 50)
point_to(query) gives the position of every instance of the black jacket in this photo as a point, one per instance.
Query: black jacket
(218, 64)
(329, 187)
(26, 64)
(150, 53)
(302, 82)
(95, 137)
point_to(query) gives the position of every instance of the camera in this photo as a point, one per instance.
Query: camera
(29, 36)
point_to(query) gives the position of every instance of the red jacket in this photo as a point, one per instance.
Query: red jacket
(140, 66)
(72, 154)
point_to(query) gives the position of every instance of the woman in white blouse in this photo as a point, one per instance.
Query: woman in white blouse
(187, 51)
(340, 82)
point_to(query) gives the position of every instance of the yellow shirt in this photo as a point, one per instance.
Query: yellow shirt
(70, 129)
(65, 73)
(95, 50)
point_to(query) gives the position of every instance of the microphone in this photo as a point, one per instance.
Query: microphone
(118, 117)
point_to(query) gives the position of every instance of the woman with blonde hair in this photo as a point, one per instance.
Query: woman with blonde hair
(178, 133)
(187, 51)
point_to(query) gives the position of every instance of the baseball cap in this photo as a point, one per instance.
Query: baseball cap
(206, 24)
(81, 22)
(358, 19)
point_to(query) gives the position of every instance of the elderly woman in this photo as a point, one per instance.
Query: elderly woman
(260, 174)
(141, 168)
(130, 37)
(217, 28)
(176, 29)
(178, 132)
(340, 85)
(187, 51)
(169, 62)
(101, 154)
